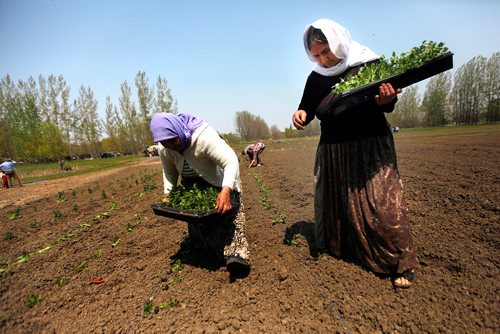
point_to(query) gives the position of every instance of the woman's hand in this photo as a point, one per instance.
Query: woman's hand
(299, 119)
(386, 94)
(223, 203)
(165, 199)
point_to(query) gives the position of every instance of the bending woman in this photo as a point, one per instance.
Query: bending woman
(190, 147)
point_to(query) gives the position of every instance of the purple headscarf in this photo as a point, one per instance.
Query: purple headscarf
(165, 126)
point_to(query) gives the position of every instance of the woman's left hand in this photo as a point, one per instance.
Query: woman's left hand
(386, 94)
(223, 203)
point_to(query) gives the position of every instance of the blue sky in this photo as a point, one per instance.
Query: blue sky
(220, 57)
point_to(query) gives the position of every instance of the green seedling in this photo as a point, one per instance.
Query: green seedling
(65, 237)
(280, 219)
(169, 304)
(176, 281)
(75, 207)
(98, 254)
(112, 206)
(73, 193)
(61, 281)
(60, 196)
(85, 225)
(56, 214)
(193, 198)
(8, 235)
(103, 195)
(177, 266)
(14, 214)
(33, 300)
(130, 227)
(81, 266)
(116, 243)
(148, 307)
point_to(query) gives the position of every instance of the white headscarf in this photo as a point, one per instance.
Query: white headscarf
(339, 40)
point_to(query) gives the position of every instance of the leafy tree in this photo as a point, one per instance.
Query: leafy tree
(435, 99)
(164, 101)
(492, 89)
(407, 112)
(468, 90)
(145, 96)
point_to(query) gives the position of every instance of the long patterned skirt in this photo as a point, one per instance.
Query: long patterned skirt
(360, 212)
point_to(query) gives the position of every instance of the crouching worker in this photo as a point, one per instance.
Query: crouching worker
(252, 152)
(189, 147)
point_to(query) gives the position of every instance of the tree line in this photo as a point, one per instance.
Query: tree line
(39, 122)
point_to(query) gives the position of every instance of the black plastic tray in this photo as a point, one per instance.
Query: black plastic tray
(365, 93)
(187, 216)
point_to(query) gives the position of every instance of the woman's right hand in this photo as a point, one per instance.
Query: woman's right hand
(299, 119)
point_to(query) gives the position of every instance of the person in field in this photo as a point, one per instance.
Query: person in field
(360, 211)
(252, 153)
(188, 147)
(7, 168)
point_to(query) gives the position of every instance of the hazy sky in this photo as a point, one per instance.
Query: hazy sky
(220, 57)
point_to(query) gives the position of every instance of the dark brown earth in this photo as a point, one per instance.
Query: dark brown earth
(452, 189)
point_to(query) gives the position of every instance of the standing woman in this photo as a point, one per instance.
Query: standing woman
(189, 147)
(359, 206)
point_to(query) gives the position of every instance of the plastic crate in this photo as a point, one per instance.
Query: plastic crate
(183, 215)
(365, 93)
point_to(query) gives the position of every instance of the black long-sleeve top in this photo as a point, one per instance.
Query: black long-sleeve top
(361, 121)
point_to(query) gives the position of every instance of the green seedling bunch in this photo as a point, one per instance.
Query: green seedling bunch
(394, 65)
(193, 198)
(33, 300)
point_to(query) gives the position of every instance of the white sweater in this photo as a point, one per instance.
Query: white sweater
(209, 155)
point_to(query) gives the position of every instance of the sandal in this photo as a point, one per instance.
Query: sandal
(409, 275)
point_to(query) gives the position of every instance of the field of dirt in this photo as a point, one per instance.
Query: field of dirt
(58, 237)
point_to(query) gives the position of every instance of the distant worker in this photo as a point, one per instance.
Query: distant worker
(7, 167)
(252, 152)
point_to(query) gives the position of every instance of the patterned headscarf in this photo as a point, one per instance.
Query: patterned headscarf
(339, 40)
(165, 126)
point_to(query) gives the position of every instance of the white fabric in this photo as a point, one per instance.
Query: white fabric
(339, 40)
(209, 155)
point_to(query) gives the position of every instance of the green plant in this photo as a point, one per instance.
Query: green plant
(177, 266)
(33, 300)
(103, 195)
(81, 266)
(280, 219)
(14, 214)
(116, 243)
(148, 307)
(75, 207)
(98, 254)
(130, 227)
(56, 213)
(60, 281)
(169, 304)
(193, 198)
(8, 235)
(60, 196)
(415, 58)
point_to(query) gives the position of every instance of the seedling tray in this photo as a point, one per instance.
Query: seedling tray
(362, 94)
(183, 215)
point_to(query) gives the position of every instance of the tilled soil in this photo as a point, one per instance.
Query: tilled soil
(101, 227)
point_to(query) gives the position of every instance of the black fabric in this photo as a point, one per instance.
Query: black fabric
(361, 121)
